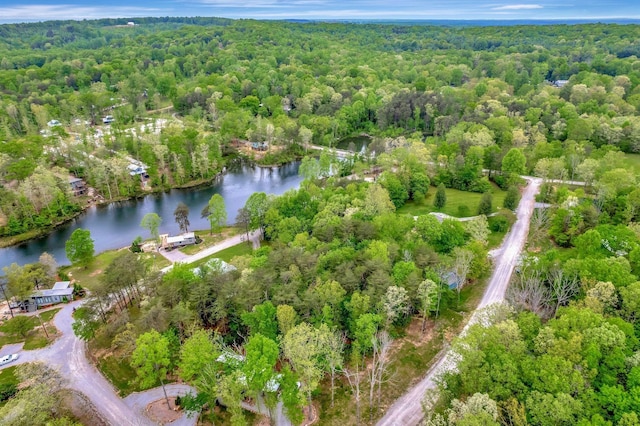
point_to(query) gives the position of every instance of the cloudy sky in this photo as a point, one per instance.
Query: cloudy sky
(30, 10)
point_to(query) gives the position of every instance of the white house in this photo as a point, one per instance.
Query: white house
(177, 241)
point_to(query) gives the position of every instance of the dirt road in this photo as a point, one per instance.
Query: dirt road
(407, 410)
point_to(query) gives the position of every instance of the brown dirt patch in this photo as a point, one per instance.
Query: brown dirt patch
(96, 272)
(414, 332)
(160, 413)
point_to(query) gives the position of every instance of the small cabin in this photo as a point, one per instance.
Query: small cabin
(137, 169)
(78, 186)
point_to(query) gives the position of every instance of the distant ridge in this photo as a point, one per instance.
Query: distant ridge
(478, 22)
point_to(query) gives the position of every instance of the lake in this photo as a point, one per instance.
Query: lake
(115, 225)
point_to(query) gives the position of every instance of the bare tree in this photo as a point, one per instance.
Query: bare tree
(538, 226)
(462, 259)
(380, 362)
(563, 288)
(530, 292)
(354, 377)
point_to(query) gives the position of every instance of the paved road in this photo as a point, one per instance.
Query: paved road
(67, 354)
(407, 410)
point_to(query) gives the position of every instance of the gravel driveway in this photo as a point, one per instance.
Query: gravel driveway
(407, 410)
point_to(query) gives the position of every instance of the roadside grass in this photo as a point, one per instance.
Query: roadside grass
(89, 277)
(209, 240)
(455, 200)
(412, 356)
(120, 374)
(117, 370)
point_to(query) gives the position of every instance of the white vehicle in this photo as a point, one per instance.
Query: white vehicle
(108, 119)
(8, 358)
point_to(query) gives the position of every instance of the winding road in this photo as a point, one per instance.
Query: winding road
(67, 355)
(407, 410)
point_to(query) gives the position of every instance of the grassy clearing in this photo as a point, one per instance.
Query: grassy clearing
(88, 277)
(209, 240)
(455, 199)
(413, 355)
(227, 254)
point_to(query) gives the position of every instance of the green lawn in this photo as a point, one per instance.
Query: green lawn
(89, 277)
(455, 199)
(35, 338)
(227, 254)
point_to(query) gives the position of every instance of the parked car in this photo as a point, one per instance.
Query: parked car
(8, 358)
(108, 119)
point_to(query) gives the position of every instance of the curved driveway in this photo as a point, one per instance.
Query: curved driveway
(67, 355)
(407, 410)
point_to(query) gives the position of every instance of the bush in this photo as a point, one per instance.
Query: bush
(486, 204)
(512, 198)
(136, 245)
(498, 223)
(7, 390)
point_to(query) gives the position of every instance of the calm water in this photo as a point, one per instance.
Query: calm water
(115, 225)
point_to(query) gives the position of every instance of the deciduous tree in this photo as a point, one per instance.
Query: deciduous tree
(151, 222)
(79, 247)
(151, 360)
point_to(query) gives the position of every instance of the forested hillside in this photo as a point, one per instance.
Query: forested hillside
(287, 84)
(352, 259)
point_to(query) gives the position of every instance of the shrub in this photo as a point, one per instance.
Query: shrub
(498, 223)
(7, 390)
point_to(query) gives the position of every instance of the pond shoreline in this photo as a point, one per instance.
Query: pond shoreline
(18, 239)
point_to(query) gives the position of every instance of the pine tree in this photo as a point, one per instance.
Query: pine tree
(441, 197)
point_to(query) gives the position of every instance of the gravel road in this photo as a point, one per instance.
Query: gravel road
(407, 410)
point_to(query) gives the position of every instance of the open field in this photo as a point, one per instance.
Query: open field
(455, 199)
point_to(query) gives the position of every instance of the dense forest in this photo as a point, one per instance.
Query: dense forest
(351, 259)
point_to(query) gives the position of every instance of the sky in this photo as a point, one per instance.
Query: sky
(41, 10)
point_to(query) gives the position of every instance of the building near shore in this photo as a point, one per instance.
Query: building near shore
(185, 239)
(61, 292)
